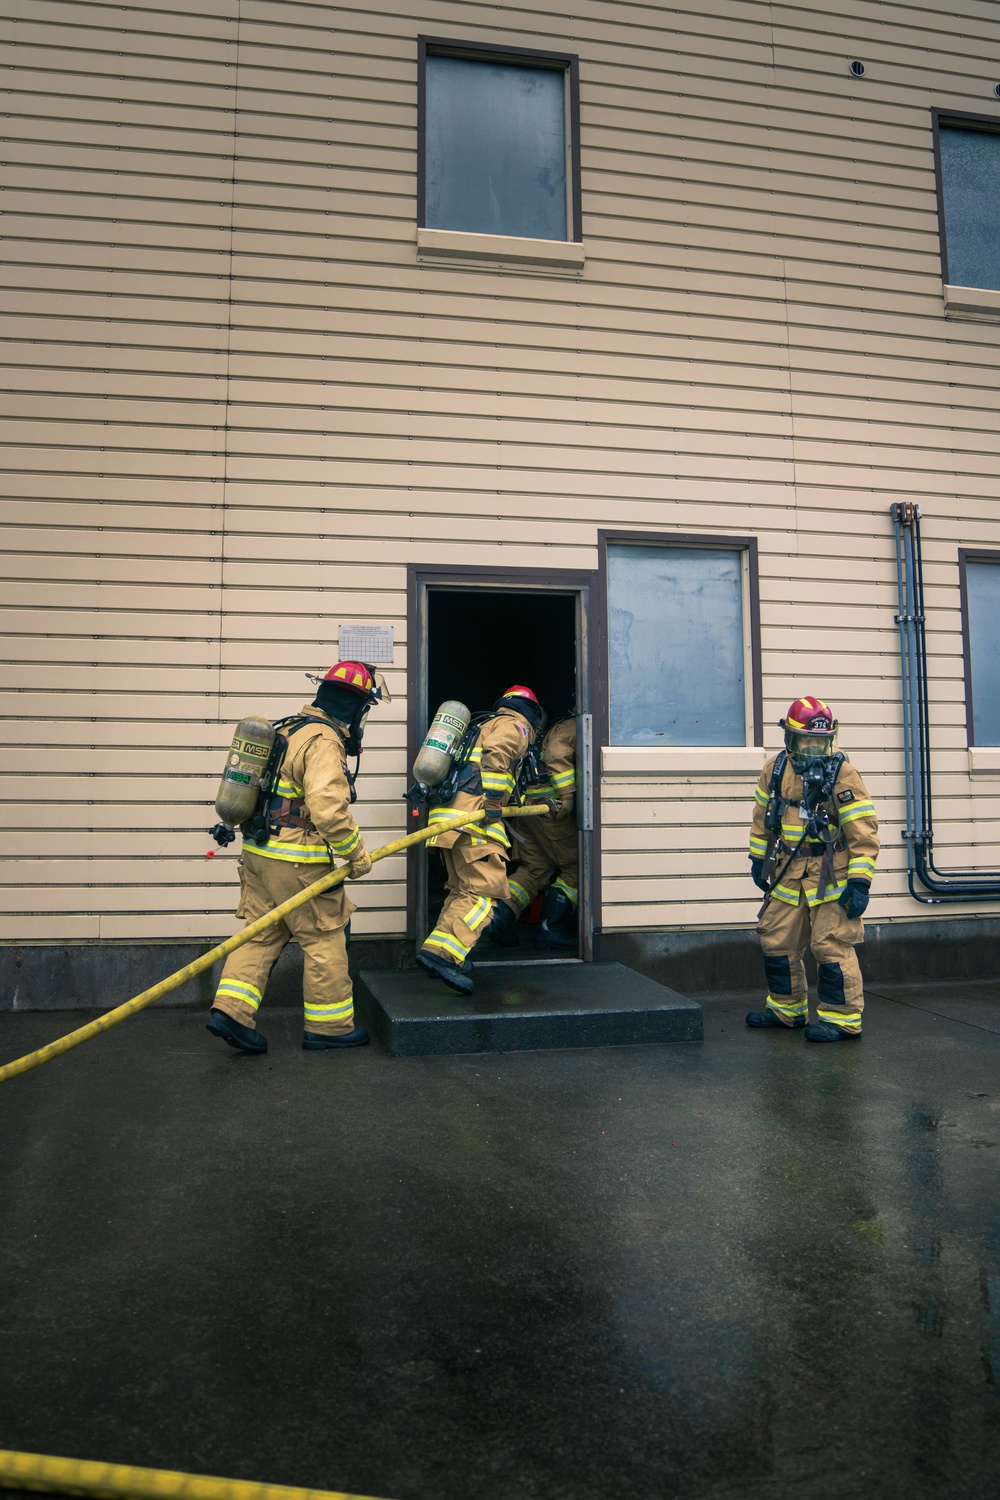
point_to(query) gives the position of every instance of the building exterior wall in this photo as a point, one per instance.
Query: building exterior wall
(242, 405)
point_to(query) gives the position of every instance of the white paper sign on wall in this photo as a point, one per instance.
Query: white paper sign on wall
(371, 643)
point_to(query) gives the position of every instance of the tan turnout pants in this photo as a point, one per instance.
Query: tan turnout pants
(318, 928)
(476, 877)
(785, 933)
(550, 848)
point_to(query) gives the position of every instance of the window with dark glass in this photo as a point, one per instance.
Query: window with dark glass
(496, 139)
(969, 198)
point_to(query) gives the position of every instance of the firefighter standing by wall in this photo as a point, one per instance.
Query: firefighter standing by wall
(309, 822)
(476, 860)
(813, 847)
(548, 849)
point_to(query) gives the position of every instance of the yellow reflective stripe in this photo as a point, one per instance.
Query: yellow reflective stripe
(447, 944)
(518, 894)
(846, 1020)
(566, 888)
(497, 781)
(785, 893)
(793, 831)
(303, 854)
(477, 754)
(833, 893)
(791, 1008)
(338, 1012)
(856, 810)
(347, 845)
(762, 797)
(564, 778)
(860, 866)
(758, 846)
(240, 990)
(477, 916)
(288, 789)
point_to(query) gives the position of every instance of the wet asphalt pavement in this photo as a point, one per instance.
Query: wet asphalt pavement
(754, 1268)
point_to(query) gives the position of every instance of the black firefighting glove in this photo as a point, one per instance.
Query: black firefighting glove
(757, 871)
(855, 898)
(493, 806)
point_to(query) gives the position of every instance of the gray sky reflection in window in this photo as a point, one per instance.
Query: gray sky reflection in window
(970, 177)
(495, 148)
(675, 646)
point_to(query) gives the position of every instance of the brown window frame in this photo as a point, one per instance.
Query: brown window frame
(988, 125)
(965, 556)
(566, 62)
(693, 540)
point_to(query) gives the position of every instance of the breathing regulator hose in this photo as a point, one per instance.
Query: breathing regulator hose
(174, 981)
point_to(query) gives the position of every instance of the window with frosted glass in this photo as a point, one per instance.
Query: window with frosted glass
(982, 597)
(970, 197)
(676, 647)
(495, 147)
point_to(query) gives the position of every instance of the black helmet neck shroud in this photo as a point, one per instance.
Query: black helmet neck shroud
(523, 706)
(348, 708)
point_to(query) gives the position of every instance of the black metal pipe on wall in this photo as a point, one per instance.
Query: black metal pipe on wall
(939, 887)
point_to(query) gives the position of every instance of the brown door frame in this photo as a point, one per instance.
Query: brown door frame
(556, 580)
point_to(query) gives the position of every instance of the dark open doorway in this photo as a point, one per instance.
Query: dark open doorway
(473, 637)
(480, 642)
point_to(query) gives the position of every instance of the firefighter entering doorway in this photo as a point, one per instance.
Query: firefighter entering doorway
(548, 851)
(478, 639)
(475, 861)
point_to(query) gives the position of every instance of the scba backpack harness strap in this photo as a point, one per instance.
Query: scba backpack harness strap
(816, 791)
(276, 810)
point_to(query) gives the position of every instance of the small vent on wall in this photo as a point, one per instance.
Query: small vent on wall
(857, 68)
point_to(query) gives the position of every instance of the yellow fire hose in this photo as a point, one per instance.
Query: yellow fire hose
(75, 1476)
(174, 982)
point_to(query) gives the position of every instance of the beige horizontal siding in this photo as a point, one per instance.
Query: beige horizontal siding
(238, 407)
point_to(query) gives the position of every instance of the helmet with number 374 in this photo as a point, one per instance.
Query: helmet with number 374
(810, 731)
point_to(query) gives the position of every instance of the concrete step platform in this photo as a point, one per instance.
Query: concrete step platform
(521, 1008)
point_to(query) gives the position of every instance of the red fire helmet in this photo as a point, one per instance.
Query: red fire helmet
(811, 715)
(351, 674)
(810, 731)
(519, 691)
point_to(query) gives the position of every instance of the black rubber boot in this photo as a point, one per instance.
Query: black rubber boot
(822, 1031)
(767, 1020)
(219, 1024)
(454, 977)
(558, 924)
(503, 927)
(314, 1041)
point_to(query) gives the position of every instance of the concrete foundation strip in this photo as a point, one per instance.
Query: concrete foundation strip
(174, 981)
(75, 1476)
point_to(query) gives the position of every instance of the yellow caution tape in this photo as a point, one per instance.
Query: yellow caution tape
(174, 981)
(75, 1476)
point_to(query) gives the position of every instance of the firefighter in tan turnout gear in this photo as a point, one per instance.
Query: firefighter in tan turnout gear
(475, 860)
(813, 847)
(547, 850)
(306, 822)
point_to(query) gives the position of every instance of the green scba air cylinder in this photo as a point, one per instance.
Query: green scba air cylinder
(443, 738)
(247, 760)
